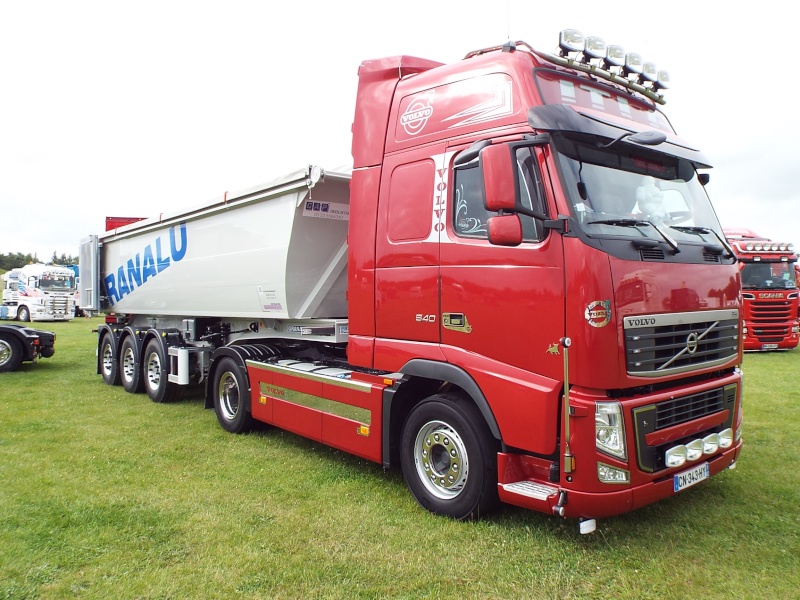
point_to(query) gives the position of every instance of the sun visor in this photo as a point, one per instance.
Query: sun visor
(567, 118)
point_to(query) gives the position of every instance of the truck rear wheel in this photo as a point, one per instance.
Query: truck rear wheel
(10, 353)
(155, 369)
(130, 367)
(449, 458)
(109, 366)
(231, 397)
(23, 314)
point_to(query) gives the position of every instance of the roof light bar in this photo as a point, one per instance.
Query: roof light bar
(613, 64)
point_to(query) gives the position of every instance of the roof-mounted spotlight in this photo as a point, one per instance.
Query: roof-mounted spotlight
(662, 82)
(595, 48)
(649, 73)
(633, 64)
(615, 56)
(571, 40)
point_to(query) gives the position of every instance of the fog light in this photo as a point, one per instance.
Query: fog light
(726, 438)
(694, 450)
(711, 443)
(675, 457)
(609, 474)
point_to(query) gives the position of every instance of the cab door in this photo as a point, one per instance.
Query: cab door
(502, 308)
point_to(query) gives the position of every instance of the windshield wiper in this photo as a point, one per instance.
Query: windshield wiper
(636, 223)
(706, 231)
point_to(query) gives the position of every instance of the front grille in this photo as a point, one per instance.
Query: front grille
(771, 312)
(677, 411)
(680, 410)
(657, 345)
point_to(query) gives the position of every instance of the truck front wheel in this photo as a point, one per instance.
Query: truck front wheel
(10, 353)
(449, 458)
(23, 314)
(231, 397)
(109, 367)
(130, 368)
(155, 369)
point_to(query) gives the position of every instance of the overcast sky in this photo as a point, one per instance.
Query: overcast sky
(140, 108)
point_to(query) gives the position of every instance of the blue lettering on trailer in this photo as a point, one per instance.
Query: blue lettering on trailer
(137, 270)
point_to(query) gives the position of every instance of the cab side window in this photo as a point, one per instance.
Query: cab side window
(470, 216)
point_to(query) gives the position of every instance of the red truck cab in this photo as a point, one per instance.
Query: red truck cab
(534, 241)
(771, 306)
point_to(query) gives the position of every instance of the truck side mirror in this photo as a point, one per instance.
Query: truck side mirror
(505, 230)
(498, 178)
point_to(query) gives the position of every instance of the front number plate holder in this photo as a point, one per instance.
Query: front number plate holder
(685, 479)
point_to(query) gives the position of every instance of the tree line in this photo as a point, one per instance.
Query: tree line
(13, 260)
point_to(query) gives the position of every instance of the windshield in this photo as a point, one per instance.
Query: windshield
(630, 191)
(56, 283)
(764, 276)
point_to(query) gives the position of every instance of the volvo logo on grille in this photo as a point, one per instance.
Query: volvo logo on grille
(691, 343)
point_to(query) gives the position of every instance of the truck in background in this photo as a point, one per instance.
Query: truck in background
(491, 300)
(769, 291)
(39, 292)
(19, 343)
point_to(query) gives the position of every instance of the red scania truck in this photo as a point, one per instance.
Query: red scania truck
(770, 302)
(520, 294)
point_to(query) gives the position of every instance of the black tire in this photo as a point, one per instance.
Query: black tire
(23, 314)
(130, 367)
(10, 353)
(109, 365)
(231, 397)
(155, 373)
(449, 458)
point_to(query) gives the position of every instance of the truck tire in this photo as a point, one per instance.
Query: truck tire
(23, 314)
(155, 371)
(10, 353)
(130, 367)
(449, 458)
(231, 397)
(109, 366)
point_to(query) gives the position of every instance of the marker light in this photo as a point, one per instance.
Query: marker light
(571, 40)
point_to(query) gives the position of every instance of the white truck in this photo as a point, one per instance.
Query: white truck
(39, 292)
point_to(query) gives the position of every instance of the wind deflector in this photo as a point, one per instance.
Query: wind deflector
(565, 118)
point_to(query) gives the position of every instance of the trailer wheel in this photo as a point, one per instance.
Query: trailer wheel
(130, 367)
(155, 369)
(231, 397)
(10, 353)
(449, 458)
(109, 366)
(23, 314)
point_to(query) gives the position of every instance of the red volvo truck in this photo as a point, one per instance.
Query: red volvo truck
(520, 294)
(770, 303)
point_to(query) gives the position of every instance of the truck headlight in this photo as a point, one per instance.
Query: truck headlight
(610, 430)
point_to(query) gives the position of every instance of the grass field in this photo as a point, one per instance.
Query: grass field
(108, 495)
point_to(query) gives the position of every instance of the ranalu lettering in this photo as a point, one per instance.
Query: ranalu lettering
(145, 265)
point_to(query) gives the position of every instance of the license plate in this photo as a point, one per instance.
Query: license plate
(681, 481)
(769, 346)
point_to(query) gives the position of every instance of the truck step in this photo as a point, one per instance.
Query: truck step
(530, 489)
